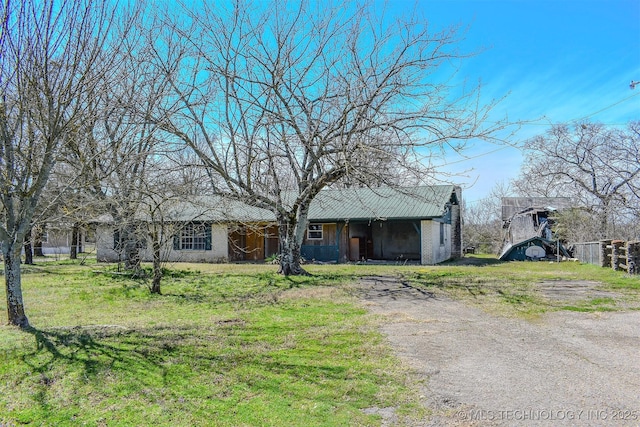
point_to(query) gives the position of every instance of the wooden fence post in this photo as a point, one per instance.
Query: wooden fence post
(633, 252)
(615, 254)
(605, 260)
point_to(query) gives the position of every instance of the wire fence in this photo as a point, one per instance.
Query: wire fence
(587, 252)
(616, 254)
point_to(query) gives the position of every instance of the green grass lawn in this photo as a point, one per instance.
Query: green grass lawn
(226, 345)
(234, 345)
(511, 288)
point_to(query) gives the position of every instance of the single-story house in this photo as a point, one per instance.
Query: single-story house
(58, 237)
(420, 224)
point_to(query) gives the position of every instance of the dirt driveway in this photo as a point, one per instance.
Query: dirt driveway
(566, 368)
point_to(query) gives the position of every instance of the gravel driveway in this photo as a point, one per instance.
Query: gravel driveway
(565, 368)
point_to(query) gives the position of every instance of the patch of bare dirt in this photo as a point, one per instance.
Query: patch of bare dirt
(573, 290)
(565, 368)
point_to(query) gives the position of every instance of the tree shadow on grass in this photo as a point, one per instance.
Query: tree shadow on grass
(388, 287)
(85, 347)
(471, 260)
(81, 354)
(85, 354)
(232, 358)
(451, 282)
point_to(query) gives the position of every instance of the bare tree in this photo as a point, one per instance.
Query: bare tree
(159, 230)
(159, 225)
(116, 148)
(482, 220)
(123, 168)
(280, 100)
(47, 50)
(597, 165)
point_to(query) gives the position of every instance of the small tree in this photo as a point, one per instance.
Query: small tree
(483, 220)
(113, 151)
(157, 210)
(28, 248)
(160, 231)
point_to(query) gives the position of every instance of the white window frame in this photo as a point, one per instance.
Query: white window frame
(315, 232)
(193, 237)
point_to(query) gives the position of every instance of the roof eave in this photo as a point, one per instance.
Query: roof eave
(366, 219)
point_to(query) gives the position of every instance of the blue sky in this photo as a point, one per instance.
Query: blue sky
(558, 61)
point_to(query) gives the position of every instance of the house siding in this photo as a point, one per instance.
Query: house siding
(432, 251)
(58, 241)
(325, 249)
(104, 244)
(218, 253)
(358, 224)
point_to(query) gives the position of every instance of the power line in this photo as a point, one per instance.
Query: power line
(610, 106)
(467, 158)
(549, 123)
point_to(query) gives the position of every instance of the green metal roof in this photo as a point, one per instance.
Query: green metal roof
(218, 209)
(381, 203)
(328, 206)
(334, 205)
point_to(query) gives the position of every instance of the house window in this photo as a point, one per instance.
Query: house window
(314, 232)
(193, 236)
(441, 234)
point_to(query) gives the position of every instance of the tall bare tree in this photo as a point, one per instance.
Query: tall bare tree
(280, 100)
(47, 50)
(116, 149)
(596, 165)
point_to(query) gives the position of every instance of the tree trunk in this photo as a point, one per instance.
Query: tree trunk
(604, 226)
(73, 250)
(15, 306)
(28, 249)
(605, 233)
(37, 242)
(131, 256)
(291, 233)
(157, 268)
(131, 249)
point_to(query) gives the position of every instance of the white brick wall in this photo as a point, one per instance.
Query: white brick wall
(219, 248)
(432, 251)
